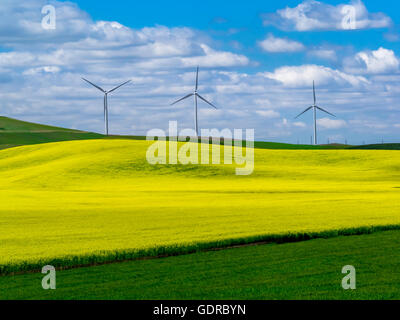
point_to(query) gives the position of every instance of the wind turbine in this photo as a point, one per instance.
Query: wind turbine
(106, 100)
(196, 95)
(315, 107)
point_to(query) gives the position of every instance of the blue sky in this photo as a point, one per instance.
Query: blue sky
(258, 60)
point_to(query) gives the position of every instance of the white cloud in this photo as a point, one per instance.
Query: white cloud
(299, 124)
(298, 76)
(213, 58)
(336, 138)
(77, 40)
(45, 69)
(369, 124)
(270, 114)
(326, 54)
(16, 59)
(378, 61)
(314, 15)
(21, 23)
(328, 123)
(273, 44)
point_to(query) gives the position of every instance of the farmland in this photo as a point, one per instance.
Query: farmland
(303, 270)
(86, 202)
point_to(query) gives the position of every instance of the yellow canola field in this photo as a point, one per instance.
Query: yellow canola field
(82, 197)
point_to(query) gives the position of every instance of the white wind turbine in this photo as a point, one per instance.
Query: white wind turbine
(315, 107)
(105, 100)
(196, 95)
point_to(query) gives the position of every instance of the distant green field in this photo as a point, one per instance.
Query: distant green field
(283, 146)
(18, 133)
(303, 270)
(385, 146)
(14, 125)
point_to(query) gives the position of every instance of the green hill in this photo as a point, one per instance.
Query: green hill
(17, 133)
(382, 146)
(14, 125)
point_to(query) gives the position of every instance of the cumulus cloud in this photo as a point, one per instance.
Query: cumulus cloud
(373, 62)
(213, 58)
(314, 15)
(299, 76)
(273, 44)
(79, 39)
(328, 123)
(21, 23)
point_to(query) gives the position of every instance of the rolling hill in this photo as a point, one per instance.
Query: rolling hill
(17, 133)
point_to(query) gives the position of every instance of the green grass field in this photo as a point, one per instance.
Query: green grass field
(91, 201)
(304, 270)
(18, 133)
(383, 146)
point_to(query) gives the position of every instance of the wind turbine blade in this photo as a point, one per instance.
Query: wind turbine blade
(119, 86)
(206, 101)
(185, 97)
(197, 78)
(101, 89)
(303, 112)
(315, 99)
(323, 110)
